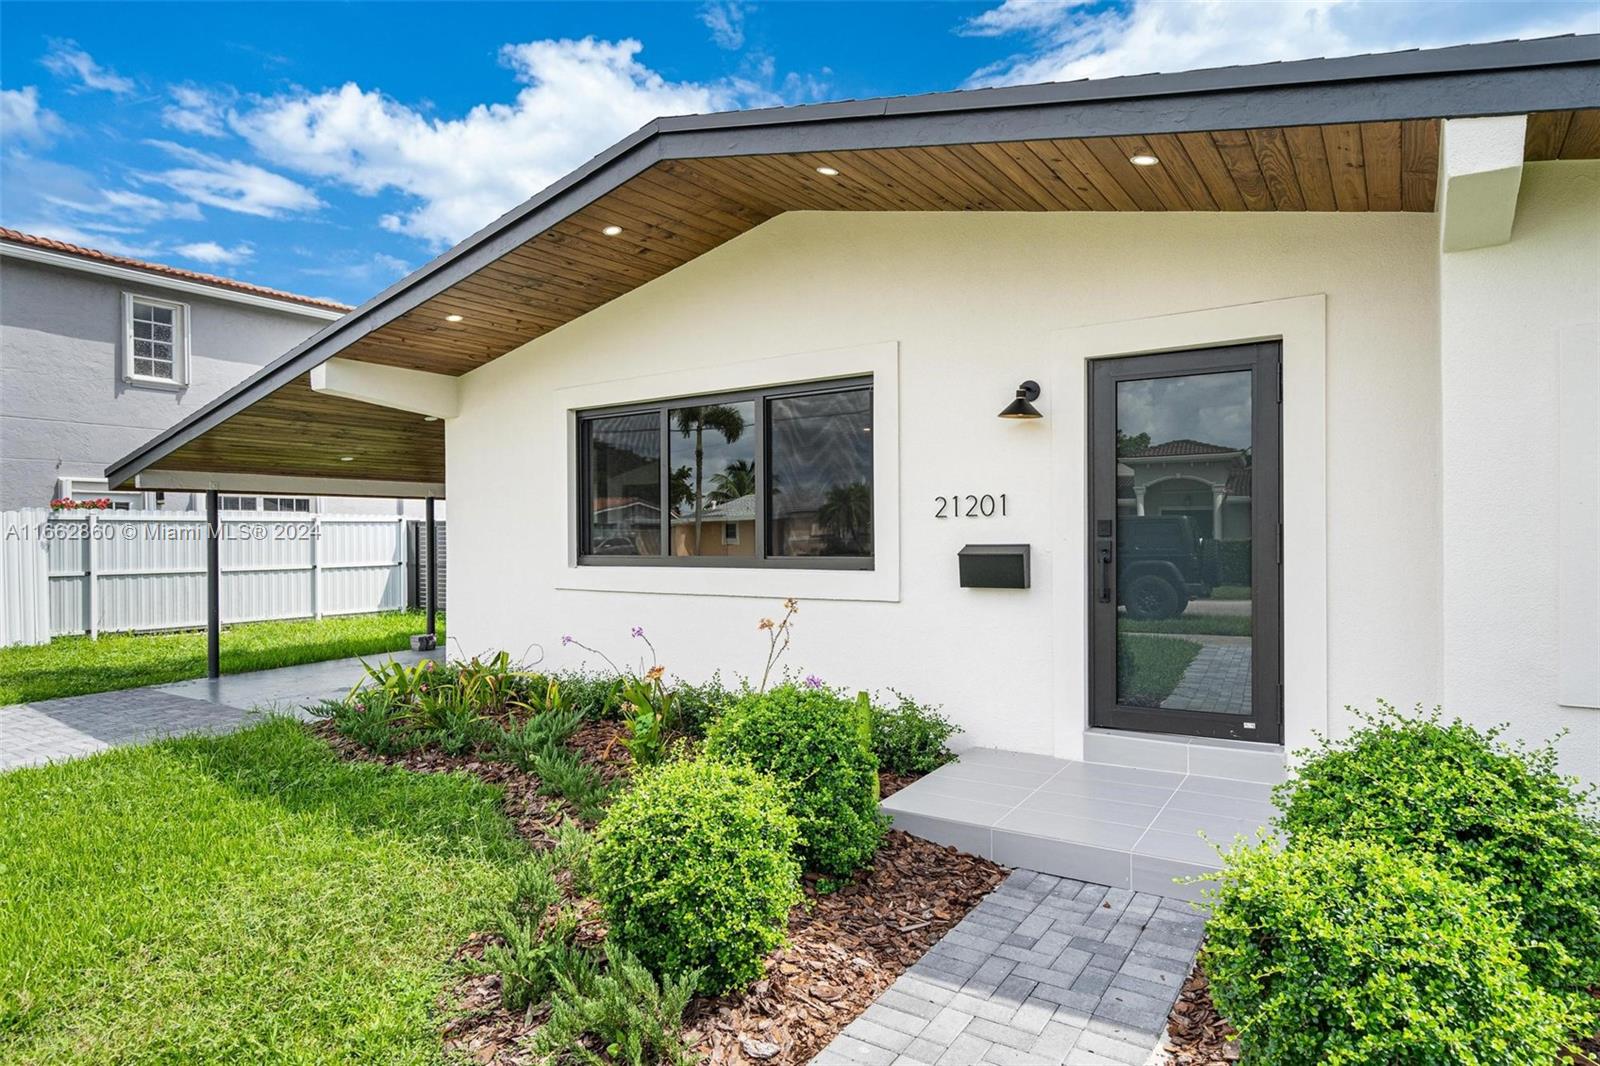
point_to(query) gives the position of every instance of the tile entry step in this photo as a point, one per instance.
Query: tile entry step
(1130, 827)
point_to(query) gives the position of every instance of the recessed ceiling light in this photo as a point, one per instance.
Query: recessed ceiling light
(1143, 159)
(828, 172)
(612, 231)
(452, 318)
(347, 458)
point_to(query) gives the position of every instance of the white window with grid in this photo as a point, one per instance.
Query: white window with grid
(156, 342)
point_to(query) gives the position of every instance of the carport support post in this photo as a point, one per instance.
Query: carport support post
(213, 585)
(433, 575)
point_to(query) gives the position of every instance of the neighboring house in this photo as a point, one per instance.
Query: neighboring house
(1343, 311)
(1208, 483)
(98, 351)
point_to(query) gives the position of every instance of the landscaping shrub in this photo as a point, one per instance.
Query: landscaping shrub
(540, 733)
(695, 869)
(909, 738)
(1233, 562)
(1490, 814)
(538, 937)
(1350, 952)
(561, 773)
(700, 705)
(819, 743)
(370, 719)
(635, 1020)
(595, 696)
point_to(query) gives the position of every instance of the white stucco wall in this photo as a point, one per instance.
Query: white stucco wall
(971, 305)
(1507, 313)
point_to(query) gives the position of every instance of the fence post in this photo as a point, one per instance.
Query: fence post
(213, 585)
(94, 577)
(433, 577)
(316, 567)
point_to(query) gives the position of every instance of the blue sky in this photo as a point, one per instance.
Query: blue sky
(330, 148)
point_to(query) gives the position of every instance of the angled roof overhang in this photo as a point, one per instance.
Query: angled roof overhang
(1351, 134)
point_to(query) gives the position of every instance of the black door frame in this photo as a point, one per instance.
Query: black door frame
(1265, 724)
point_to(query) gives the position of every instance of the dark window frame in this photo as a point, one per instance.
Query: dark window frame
(1264, 359)
(579, 443)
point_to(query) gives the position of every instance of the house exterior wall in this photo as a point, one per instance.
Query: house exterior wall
(1518, 357)
(65, 410)
(967, 305)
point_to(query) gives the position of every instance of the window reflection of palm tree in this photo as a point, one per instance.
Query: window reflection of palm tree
(719, 417)
(738, 479)
(846, 512)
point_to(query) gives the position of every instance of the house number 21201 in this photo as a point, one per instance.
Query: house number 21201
(970, 506)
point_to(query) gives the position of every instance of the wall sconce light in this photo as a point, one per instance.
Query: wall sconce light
(1022, 406)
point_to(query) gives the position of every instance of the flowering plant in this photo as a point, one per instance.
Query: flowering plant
(64, 503)
(649, 708)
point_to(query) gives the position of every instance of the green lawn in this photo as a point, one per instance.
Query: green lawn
(72, 666)
(243, 899)
(1153, 666)
(1219, 625)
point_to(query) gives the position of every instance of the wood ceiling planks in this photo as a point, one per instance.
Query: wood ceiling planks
(1563, 135)
(679, 209)
(682, 208)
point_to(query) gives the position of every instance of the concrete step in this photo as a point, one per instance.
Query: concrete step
(1242, 760)
(1124, 826)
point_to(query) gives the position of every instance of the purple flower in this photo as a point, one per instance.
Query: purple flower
(812, 681)
(565, 641)
(638, 631)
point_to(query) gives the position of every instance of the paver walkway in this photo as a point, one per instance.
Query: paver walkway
(50, 730)
(1045, 970)
(1218, 681)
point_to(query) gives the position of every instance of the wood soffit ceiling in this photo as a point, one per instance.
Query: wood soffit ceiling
(678, 209)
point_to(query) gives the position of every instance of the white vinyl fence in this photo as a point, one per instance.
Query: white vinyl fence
(77, 572)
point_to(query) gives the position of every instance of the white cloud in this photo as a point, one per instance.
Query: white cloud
(725, 20)
(233, 185)
(122, 207)
(578, 97)
(23, 120)
(1072, 40)
(370, 271)
(67, 60)
(198, 110)
(212, 253)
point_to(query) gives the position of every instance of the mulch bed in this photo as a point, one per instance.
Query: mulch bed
(1196, 1034)
(845, 948)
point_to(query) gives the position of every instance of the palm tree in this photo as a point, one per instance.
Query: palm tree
(739, 479)
(846, 511)
(720, 417)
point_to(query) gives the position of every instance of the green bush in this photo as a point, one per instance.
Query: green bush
(595, 696)
(700, 705)
(695, 869)
(819, 743)
(1492, 815)
(1233, 563)
(909, 738)
(1348, 952)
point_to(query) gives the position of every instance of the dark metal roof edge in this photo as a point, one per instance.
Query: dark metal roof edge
(703, 134)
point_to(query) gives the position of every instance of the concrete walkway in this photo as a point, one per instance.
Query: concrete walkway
(51, 730)
(1046, 971)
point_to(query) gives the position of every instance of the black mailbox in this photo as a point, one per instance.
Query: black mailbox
(994, 566)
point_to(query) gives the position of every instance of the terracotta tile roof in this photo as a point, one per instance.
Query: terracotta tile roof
(18, 237)
(1182, 446)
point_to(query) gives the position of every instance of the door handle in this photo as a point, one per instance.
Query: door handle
(1105, 573)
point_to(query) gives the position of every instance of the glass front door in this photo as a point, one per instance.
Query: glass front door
(1185, 543)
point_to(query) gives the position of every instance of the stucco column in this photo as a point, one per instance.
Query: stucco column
(1138, 499)
(1218, 494)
